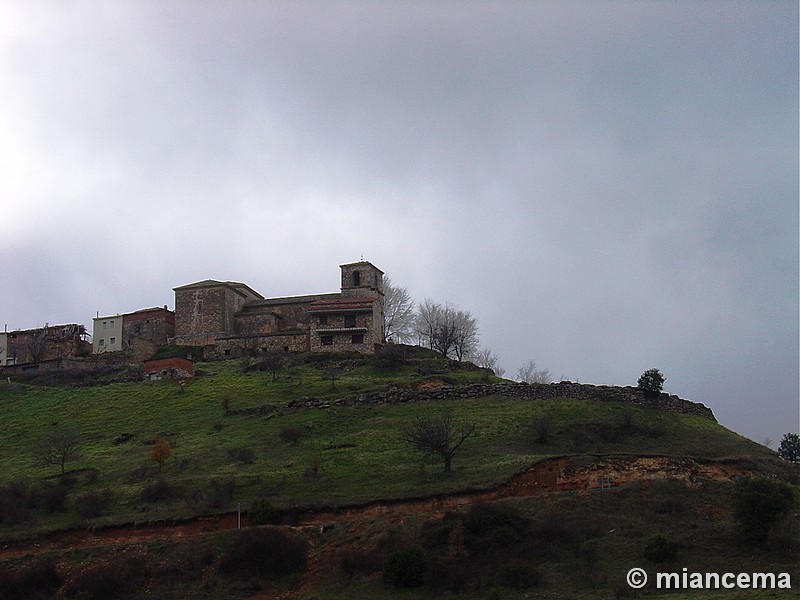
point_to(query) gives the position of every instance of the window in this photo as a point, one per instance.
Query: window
(349, 320)
(323, 319)
(102, 343)
(356, 278)
(112, 341)
(358, 339)
(327, 340)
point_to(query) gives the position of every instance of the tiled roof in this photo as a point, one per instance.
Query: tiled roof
(342, 304)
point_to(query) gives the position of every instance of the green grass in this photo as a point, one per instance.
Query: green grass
(354, 455)
(345, 455)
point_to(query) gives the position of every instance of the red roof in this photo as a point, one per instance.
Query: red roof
(342, 304)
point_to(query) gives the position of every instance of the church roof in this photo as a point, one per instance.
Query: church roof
(342, 304)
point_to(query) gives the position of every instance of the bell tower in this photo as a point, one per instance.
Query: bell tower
(362, 280)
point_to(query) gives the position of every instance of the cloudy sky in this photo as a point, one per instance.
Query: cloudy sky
(607, 186)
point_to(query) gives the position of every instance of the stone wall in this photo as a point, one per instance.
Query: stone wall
(146, 331)
(237, 346)
(204, 311)
(50, 343)
(522, 391)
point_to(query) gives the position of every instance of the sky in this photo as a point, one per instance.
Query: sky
(607, 186)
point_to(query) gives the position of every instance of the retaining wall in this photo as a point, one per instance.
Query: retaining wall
(523, 391)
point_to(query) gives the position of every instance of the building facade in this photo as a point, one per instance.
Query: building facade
(231, 319)
(140, 333)
(48, 344)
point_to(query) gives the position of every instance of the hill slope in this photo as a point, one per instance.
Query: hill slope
(322, 437)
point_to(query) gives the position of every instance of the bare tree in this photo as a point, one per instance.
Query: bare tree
(398, 311)
(58, 448)
(465, 336)
(438, 435)
(530, 374)
(37, 345)
(486, 359)
(273, 362)
(447, 329)
(426, 321)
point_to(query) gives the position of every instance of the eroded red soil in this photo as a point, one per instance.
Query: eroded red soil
(553, 475)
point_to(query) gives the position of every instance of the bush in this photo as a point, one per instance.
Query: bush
(264, 552)
(789, 448)
(660, 549)
(758, 505)
(358, 562)
(651, 381)
(53, 498)
(290, 434)
(38, 579)
(106, 579)
(16, 502)
(404, 568)
(184, 560)
(93, 504)
(158, 491)
(541, 427)
(263, 512)
(222, 491)
(494, 529)
(242, 455)
(667, 497)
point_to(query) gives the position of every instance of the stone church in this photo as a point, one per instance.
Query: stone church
(227, 318)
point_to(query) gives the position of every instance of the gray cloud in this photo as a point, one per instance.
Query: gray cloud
(607, 186)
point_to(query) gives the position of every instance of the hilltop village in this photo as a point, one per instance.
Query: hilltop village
(213, 320)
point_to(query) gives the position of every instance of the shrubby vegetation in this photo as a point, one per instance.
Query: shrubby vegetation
(759, 505)
(301, 459)
(264, 552)
(789, 448)
(651, 381)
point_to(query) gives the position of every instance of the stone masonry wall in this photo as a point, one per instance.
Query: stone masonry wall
(522, 391)
(202, 311)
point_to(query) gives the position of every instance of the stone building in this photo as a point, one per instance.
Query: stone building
(49, 344)
(140, 333)
(230, 319)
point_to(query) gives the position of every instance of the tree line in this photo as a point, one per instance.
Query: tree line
(445, 328)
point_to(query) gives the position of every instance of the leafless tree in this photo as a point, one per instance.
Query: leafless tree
(438, 435)
(58, 448)
(447, 329)
(486, 359)
(426, 321)
(37, 344)
(398, 311)
(465, 336)
(528, 373)
(273, 362)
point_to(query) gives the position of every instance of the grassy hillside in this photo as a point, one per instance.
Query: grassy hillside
(225, 455)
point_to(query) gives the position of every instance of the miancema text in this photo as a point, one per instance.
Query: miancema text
(712, 581)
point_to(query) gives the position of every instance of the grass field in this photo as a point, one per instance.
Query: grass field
(314, 458)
